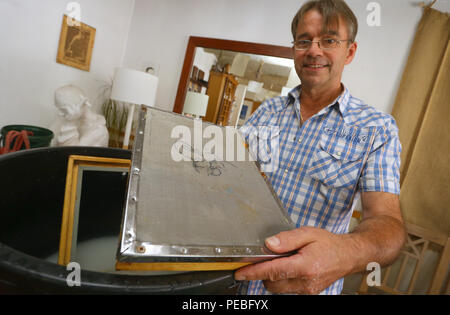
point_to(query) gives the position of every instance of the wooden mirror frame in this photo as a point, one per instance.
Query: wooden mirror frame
(237, 46)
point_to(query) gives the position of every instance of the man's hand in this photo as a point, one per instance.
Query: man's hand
(320, 260)
(321, 257)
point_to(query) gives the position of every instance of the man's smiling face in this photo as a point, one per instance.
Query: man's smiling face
(318, 68)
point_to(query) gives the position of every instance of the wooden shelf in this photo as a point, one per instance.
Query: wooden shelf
(221, 90)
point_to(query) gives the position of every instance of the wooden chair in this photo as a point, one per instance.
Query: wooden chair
(418, 241)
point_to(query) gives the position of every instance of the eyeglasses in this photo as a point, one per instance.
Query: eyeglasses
(324, 43)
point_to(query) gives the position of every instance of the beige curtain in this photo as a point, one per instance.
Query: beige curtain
(422, 111)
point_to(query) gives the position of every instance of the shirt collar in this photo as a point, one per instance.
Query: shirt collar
(341, 101)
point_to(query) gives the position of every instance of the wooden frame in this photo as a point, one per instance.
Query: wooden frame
(180, 266)
(419, 240)
(237, 46)
(76, 43)
(156, 236)
(75, 167)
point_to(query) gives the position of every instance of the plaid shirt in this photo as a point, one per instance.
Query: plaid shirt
(319, 165)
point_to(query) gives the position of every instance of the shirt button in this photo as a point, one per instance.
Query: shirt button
(338, 153)
(286, 171)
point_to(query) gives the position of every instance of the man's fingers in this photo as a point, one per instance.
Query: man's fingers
(286, 286)
(281, 286)
(292, 286)
(292, 240)
(274, 270)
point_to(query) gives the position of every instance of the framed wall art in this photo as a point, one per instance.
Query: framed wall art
(76, 43)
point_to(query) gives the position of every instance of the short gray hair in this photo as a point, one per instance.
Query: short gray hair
(330, 10)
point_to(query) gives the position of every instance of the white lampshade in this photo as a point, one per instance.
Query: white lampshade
(134, 87)
(196, 104)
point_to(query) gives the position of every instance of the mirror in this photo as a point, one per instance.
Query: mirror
(232, 78)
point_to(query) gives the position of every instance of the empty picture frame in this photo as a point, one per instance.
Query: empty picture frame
(76, 166)
(193, 213)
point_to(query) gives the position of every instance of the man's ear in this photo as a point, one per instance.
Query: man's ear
(351, 52)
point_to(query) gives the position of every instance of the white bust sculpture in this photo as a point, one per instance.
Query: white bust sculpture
(77, 124)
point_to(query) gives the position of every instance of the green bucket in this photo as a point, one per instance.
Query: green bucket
(41, 136)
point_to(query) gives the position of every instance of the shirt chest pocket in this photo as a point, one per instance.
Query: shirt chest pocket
(338, 160)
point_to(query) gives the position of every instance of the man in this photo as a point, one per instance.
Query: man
(332, 145)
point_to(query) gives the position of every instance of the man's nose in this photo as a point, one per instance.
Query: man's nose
(315, 49)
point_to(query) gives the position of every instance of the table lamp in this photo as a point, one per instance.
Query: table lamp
(195, 104)
(133, 87)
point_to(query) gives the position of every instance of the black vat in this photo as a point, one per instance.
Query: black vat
(32, 189)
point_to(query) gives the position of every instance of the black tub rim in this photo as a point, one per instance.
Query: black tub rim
(28, 268)
(23, 267)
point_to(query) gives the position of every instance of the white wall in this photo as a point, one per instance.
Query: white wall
(158, 34)
(160, 31)
(29, 73)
